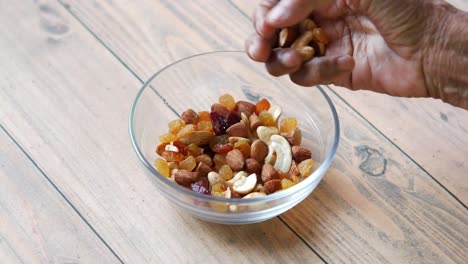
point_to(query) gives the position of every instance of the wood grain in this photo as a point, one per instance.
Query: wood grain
(37, 225)
(432, 133)
(66, 99)
(399, 215)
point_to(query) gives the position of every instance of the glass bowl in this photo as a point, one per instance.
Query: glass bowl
(197, 82)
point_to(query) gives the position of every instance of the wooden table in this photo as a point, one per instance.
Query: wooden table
(73, 191)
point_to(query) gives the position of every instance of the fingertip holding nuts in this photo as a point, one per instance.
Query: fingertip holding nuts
(305, 37)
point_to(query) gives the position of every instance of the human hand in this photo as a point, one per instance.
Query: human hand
(374, 44)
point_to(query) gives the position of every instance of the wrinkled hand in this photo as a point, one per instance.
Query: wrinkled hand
(375, 45)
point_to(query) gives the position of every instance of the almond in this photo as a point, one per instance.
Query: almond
(293, 171)
(255, 122)
(269, 173)
(272, 186)
(258, 150)
(235, 160)
(294, 137)
(253, 166)
(238, 130)
(245, 107)
(197, 137)
(189, 116)
(184, 177)
(203, 169)
(300, 153)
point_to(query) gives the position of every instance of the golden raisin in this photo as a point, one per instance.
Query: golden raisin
(188, 164)
(228, 101)
(219, 160)
(305, 167)
(167, 138)
(194, 150)
(203, 116)
(244, 147)
(160, 148)
(288, 124)
(285, 183)
(262, 105)
(205, 126)
(162, 167)
(295, 179)
(172, 156)
(175, 126)
(266, 118)
(225, 172)
(218, 188)
(186, 130)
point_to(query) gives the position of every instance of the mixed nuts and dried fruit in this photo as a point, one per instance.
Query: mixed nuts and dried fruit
(305, 37)
(237, 150)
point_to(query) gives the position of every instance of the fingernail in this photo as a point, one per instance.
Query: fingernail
(290, 59)
(274, 15)
(345, 63)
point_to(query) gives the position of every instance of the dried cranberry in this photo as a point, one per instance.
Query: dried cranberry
(200, 186)
(218, 122)
(232, 118)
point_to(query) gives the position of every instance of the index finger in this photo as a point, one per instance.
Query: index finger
(263, 29)
(290, 12)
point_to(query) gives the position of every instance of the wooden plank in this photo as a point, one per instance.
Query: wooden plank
(37, 225)
(432, 133)
(415, 214)
(66, 100)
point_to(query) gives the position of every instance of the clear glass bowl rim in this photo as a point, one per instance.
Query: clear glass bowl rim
(275, 196)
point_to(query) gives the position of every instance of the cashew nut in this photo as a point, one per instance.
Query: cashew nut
(171, 147)
(303, 40)
(283, 153)
(271, 156)
(264, 133)
(214, 178)
(275, 111)
(245, 184)
(236, 177)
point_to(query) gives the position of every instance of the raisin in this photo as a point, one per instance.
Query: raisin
(225, 172)
(220, 144)
(182, 148)
(244, 147)
(194, 150)
(228, 101)
(162, 167)
(218, 123)
(232, 118)
(305, 167)
(205, 126)
(167, 138)
(262, 105)
(203, 116)
(175, 126)
(172, 156)
(285, 183)
(266, 118)
(160, 148)
(288, 124)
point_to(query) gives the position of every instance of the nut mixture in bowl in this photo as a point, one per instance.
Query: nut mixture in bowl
(237, 150)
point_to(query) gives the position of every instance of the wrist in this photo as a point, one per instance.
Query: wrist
(445, 59)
